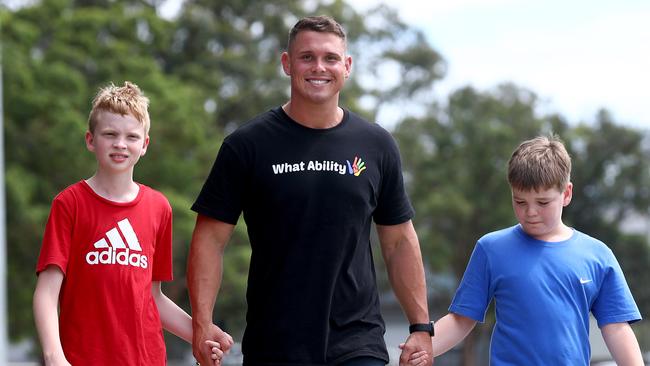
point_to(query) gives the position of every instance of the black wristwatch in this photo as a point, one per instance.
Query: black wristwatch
(422, 327)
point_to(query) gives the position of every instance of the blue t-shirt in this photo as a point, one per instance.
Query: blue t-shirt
(543, 294)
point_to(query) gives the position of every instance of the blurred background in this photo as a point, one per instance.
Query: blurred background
(458, 85)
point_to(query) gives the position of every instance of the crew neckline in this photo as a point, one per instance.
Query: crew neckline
(111, 202)
(293, 122)
(530, 238)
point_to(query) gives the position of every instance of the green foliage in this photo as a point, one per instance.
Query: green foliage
(455, 163)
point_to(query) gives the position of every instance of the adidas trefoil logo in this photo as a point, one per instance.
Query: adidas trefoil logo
(118, 252)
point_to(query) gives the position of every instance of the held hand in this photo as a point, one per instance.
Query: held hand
(209, 342)
(417, 350)
(224, 339)
(418, 358)
(217, 353)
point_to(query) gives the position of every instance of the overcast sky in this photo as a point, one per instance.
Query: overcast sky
(576, 55)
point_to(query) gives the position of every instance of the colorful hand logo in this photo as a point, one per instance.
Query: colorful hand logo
(357, 167)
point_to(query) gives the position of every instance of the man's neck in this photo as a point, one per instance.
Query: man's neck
(314, 116)
(116, 188)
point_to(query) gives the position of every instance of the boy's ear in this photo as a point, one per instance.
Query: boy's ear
(89, 141)
(567, 194)
(144, 146)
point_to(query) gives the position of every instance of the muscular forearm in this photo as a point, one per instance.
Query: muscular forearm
(405, 270)
(204, 279)
(204, 270)
(204, 267)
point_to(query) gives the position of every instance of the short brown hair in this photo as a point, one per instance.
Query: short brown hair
(320, 23)
(127, 99)
(540, 163)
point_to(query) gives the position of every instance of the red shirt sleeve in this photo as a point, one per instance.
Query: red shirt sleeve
(57, 239)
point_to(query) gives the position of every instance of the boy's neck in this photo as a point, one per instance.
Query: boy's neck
(116, 188)
(561, 233)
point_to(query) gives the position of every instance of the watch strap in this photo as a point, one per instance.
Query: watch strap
(422, 327)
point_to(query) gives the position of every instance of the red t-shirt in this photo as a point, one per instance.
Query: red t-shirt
(110, 253)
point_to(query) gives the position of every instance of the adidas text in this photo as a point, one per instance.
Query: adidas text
(113, 256)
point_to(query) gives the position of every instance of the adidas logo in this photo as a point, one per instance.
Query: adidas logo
(118, 252)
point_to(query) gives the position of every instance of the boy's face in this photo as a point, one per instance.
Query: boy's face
(118, 142)
(540, 212)
(318, 67)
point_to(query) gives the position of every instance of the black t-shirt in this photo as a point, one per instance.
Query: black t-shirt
(308, 197)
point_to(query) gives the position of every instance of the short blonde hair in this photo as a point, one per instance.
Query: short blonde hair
(127, 99)
(540, 163)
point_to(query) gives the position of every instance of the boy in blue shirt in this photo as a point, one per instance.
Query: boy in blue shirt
(544, 276)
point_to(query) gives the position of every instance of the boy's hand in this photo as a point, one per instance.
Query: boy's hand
(217, 353)
(418, 358)
(204, 351)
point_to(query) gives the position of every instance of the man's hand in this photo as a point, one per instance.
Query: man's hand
(417, 350)
(205, 351)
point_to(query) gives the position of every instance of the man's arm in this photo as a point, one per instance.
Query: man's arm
(401, 251)
(204, 271)
(46, 315)
(622, 344)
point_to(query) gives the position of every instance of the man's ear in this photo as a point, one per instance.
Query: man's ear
(286, 63)
(348, 66)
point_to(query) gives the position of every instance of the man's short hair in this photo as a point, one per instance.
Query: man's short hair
(540, 163)
(127, 99)
(320, 23)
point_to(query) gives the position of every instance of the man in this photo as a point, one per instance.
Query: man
(310, 177)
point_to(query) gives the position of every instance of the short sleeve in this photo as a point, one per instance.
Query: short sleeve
(474, 293)
(162, 259)
(393, 205)
(614, 303)
(57, 238)
(222, 194)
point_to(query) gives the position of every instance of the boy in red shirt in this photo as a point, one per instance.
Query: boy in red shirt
(107, 245)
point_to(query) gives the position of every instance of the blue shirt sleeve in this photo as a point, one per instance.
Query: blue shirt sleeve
(614, 303)
(475, 292)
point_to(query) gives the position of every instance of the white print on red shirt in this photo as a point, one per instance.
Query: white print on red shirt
(117, 252)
